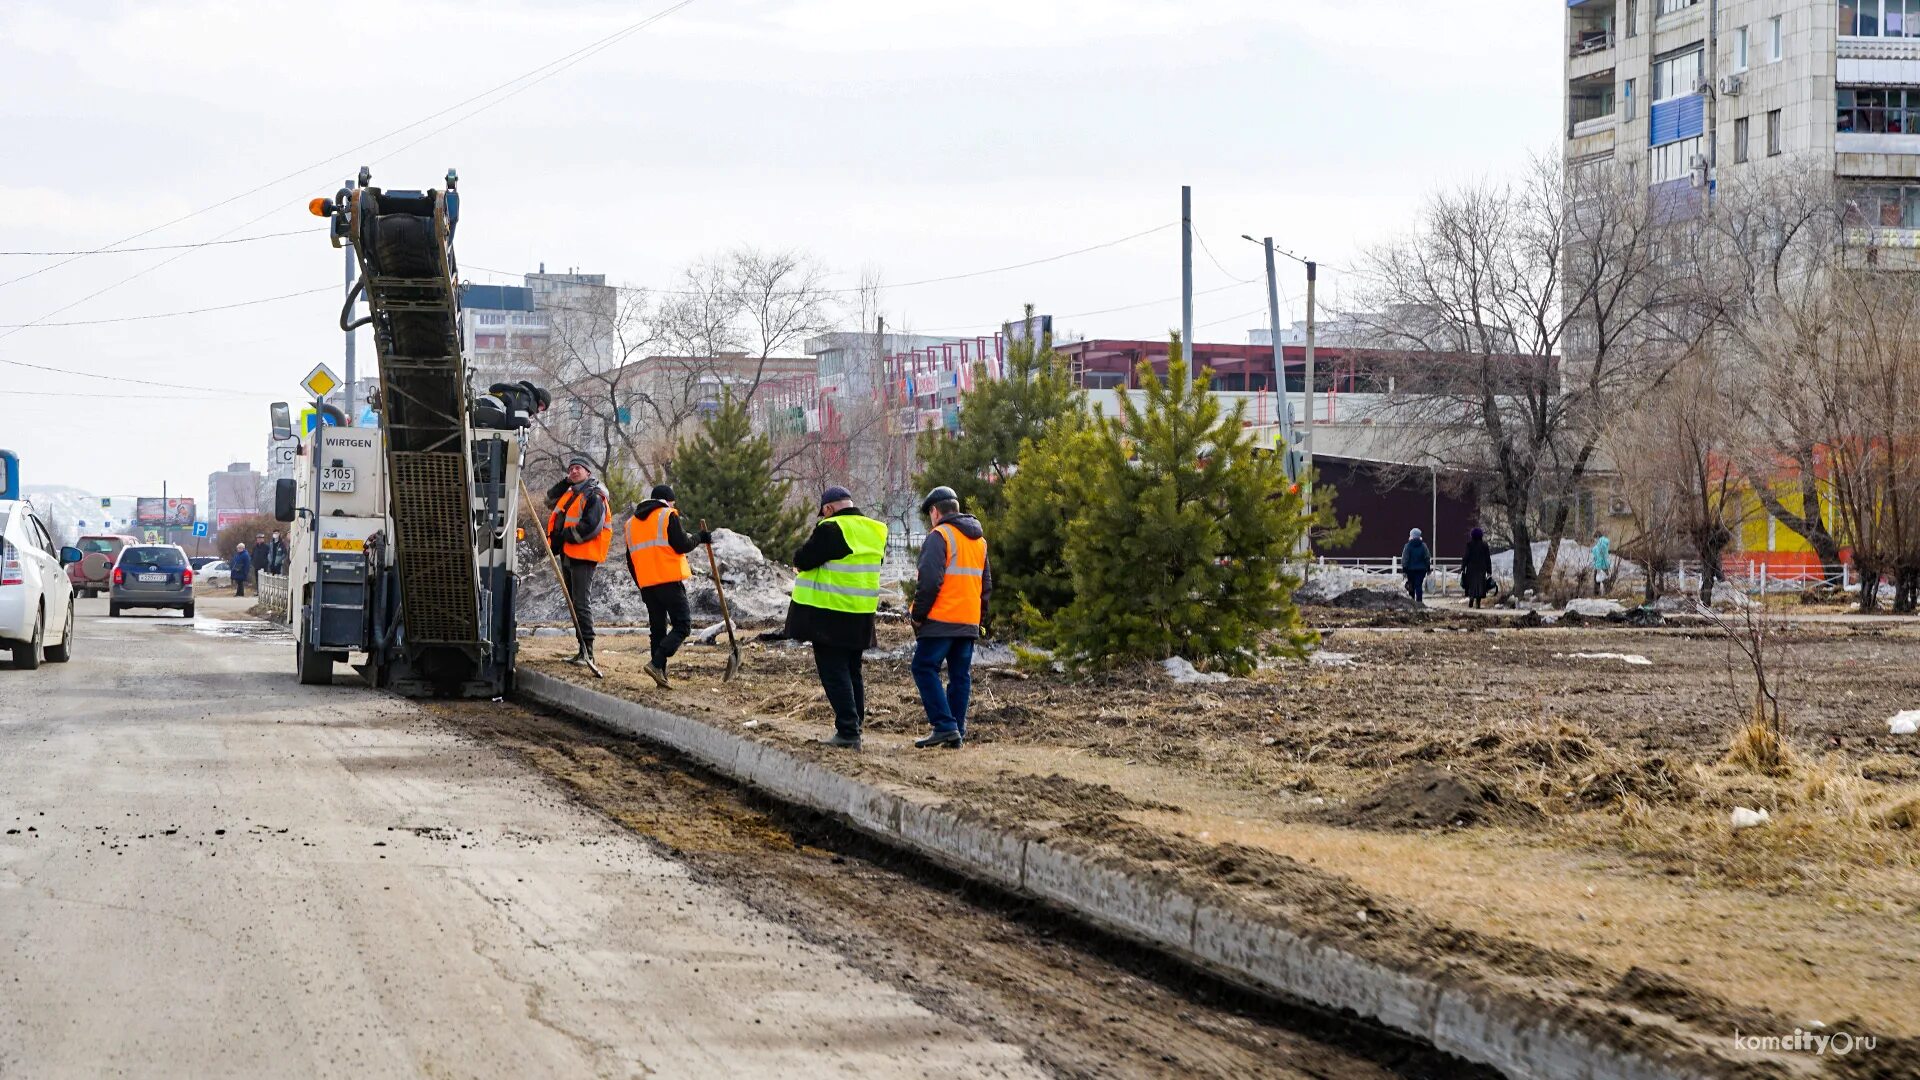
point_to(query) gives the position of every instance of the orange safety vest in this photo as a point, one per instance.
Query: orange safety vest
(572, 505)
(654, 560)
(961, 589)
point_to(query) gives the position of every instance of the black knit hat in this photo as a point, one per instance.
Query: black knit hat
(662, 492)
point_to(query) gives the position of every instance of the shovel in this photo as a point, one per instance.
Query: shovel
(733, 657)
(562, 579)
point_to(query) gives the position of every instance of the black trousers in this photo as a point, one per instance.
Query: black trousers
(668, 620)
(840, 677)
(579, 578)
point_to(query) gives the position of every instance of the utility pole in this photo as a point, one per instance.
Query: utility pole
(1287, 453)
(1306, 439)
(1186, 277)
(348, 248)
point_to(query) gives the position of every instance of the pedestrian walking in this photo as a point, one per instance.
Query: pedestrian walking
(1476, 568)
(241, 564)
(580, 533)
(949, 602)
(1416, 562)
(834, 601)
(657, 546)
(1602, 562)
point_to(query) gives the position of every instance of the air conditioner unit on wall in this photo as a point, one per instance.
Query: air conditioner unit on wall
(1731, 85)
(1704, 86)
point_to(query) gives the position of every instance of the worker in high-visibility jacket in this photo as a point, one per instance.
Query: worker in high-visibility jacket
(949, 604)
(580, 533)
(834, 602)
(657, 546)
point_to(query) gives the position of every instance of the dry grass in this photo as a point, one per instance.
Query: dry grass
(1758, 747)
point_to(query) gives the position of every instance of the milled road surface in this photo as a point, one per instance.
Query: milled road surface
(210, 871)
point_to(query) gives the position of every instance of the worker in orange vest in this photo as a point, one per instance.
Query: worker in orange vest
(657, 546)
(580, 533)
(949, 603)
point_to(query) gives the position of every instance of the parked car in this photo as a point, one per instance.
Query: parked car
(215, 574)
(36, 596)
(91, 575)
(199, 562)
(151, 576)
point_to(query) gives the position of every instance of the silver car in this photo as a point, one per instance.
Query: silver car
(151, 576)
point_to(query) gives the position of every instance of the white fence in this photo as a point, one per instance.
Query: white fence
(272, 591)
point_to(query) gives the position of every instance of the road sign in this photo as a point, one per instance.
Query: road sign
(309, 419)
(199, 528)
(321, 381)
(153, 536)
(283, 453)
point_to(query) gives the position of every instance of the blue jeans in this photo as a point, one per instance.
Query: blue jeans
(946, 707)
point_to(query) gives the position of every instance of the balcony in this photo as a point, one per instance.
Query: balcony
(1590, 27)
(1590, 104)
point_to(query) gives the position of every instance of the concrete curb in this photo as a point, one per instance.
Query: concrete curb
(1518, 1036)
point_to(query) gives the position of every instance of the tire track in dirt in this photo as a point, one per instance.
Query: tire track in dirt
(1083, 1004)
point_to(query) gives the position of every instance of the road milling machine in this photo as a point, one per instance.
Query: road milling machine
(401, 553)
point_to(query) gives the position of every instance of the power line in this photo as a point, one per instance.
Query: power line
(1102, 311)
(537, 75)
(173, 314)
(1216, 261)
(170, 247)
(127, 379)
(117, 397)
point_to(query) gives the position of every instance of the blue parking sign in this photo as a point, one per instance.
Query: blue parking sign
(199, 528)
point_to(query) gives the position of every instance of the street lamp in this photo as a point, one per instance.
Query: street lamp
(1305, 473)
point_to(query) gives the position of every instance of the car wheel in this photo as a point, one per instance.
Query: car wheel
(63, 652)
(26, 654)
(187, 611)
(311, 666)
(113, 610)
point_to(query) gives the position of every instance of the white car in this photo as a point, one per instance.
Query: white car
(216, 574)
(36, 599)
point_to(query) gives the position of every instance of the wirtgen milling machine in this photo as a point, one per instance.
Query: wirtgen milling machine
(401, 557)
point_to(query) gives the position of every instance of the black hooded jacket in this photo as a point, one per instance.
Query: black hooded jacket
(933, 574)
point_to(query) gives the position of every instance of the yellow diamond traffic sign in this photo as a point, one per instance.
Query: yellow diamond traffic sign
(321, 381)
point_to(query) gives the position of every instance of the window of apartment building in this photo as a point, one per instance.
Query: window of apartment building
(1591, 98)
(1668, 7)
(1883, 206)
(1632, 26)
(1626, 99)
(1740, 139)
(1674, 161)
(1879, 18)
(1679, 74)
(1773, 133)
(1871, 109)
(1776, 40)
(1740, 49)
(492, 319)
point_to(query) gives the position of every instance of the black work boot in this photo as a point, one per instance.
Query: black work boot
(949, 739)
(844, 742)
(658, 673)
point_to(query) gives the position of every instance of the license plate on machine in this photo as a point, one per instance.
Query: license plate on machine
(153, 577)
(337, 478)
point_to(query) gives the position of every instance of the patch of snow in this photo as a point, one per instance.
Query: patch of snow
(1905, 723)
(1331, 659)
(1631, 658)
(757, 587)
(1594, 607)
(1744, 818)
(993, 654)
(1181, 670)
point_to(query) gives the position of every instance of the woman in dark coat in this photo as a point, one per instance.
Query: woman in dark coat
(1416, 561)
(1476, 569)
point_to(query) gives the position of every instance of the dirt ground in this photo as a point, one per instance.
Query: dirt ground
(1487, 795)
(1084, 1007)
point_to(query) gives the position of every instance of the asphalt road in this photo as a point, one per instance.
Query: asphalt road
(208, 870)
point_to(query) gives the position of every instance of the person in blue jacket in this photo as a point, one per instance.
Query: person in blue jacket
(1416, 562)
(241, 565)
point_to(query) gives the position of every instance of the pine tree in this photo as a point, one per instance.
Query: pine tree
(1030, 578)
(1182, 544)
(997, 419)
(725, 476)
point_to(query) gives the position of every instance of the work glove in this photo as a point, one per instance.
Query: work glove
(705, 537)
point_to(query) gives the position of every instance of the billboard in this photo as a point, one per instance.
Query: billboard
(164, 513)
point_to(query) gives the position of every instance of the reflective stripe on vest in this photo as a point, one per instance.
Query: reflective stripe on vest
(653, 558)
(567, 511)
(851, 583)
(965, 582)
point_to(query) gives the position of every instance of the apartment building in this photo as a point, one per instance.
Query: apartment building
(1685, 94)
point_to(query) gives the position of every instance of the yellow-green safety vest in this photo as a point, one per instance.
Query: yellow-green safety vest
(852, 582)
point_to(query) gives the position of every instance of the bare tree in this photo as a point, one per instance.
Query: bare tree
(1480, 301)
(781, 298)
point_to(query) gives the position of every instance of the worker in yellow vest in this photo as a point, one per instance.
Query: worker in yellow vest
(657, 546)
(835, 599)
(949, 604)
(580, 533)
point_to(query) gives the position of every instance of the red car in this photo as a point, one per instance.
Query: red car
(93, 574)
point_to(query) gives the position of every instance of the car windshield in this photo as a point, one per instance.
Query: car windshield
(152, 558)
(101, 544)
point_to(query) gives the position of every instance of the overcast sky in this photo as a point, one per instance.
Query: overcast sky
(918, 138)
